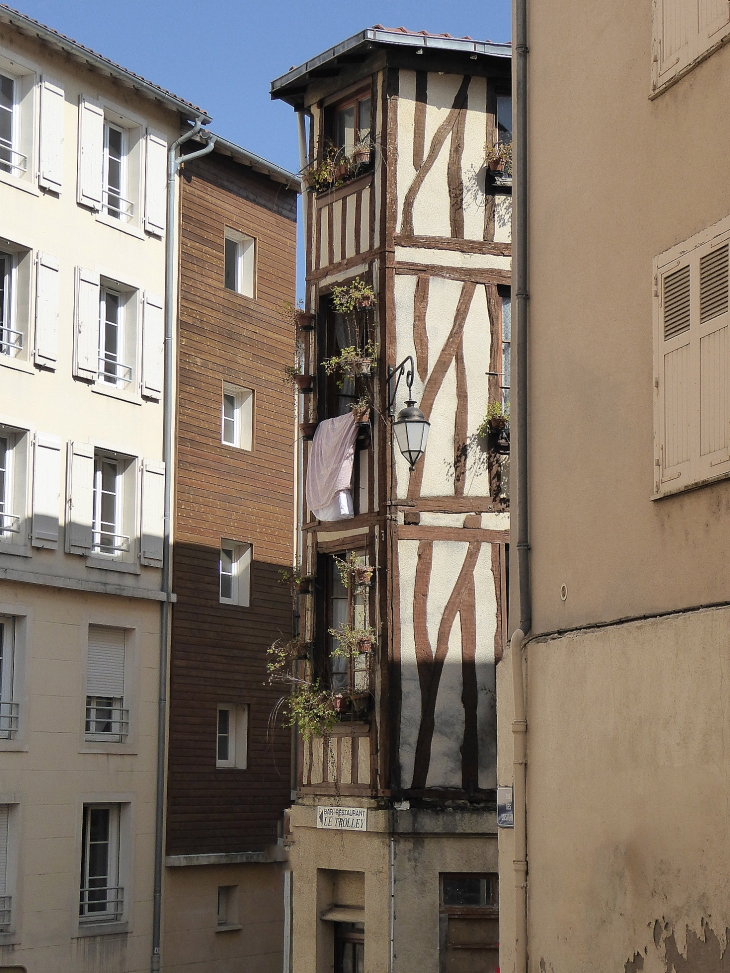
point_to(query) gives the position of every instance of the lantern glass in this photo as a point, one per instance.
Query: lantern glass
(411, 433)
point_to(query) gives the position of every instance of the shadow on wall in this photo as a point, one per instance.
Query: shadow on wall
(230, 608)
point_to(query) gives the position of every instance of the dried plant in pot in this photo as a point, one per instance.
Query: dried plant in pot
(352, 641)
(347, 298)
(304, 320)
(361, 411)
(351, 362)
(499, 158)
(362, 152)
(355, 570)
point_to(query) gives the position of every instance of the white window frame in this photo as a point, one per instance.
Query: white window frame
(11, 339)
(114, 900)
(26, 98)
(124, 213)
(15, 311)
(9, 708)
(240, 561)
(236, 737)
(17, 164)
(245, 263)
(107, 709)
(121, 542)
(243, 416)
(122, 372)
(14, 527)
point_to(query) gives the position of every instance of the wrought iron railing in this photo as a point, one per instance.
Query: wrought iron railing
(8, 154)
(104, 903)
(111, 369)
(109, 722)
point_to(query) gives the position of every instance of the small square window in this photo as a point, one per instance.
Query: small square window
(235, 573)
(232, 736)
(240, 263)
(237, 417)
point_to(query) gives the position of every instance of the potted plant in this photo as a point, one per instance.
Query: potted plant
(352, 297)
(499, 158)
(282, 654)
(351, 362)
(354, 569)
(298, 583)
(496, 418)
(361, 152)
(311, 709)
(352, 641)
(361, 411)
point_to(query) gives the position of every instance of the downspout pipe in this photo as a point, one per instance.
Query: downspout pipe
(519, 803)
(173, 164)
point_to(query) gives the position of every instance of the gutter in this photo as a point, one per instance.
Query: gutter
(520, 276)
(174, 161)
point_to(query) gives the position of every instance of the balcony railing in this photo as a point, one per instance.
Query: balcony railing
(9, 715)
(10, 159)
(107, 723)
(117, 206)
(339, 763)
(9, 523)
(6, 912)
(110, 369)
(10, 340)
(102, 904)
(104, 542)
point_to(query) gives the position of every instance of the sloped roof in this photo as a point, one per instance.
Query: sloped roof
(290, 86)
(32, 28)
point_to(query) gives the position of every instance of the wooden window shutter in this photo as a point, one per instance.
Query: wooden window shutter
(713, 16)
(714, 354)
(155, 190)
(105, 662)
(50, 172)
(91, 154)
(4, 821)
(46, 490)
(153, 512)
(80, 498)
(153, 344)
(685, 30)
(48, 273)
(86, 336)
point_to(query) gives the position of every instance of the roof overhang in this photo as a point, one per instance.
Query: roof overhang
(255, 162)
(32, 28)
(289, 86)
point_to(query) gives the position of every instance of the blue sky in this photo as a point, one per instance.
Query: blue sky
(223, 54)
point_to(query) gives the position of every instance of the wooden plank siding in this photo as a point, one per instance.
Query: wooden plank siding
(218, 651)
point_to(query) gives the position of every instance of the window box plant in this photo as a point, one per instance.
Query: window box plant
(305, 320)
(361, 411)
(362, 153)
(352, 641)
(355, 570)
(356, 296)
(351, 362)
(499, 158)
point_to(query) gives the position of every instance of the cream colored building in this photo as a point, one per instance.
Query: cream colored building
(393, 846)
(627, 208)
(83, 156)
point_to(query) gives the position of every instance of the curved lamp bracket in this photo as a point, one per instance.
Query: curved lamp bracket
(395, 374)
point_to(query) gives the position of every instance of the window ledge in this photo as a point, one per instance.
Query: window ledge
(27, 184)
(8, 746)
(131, 230)
(101, 929)
(9, 939)
(229, 927)
(17, 363)
(125, 567)
(19, 550)
(115, 393)
(98, 746)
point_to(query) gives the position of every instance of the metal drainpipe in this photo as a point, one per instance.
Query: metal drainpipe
(173, 164)
(520, 271)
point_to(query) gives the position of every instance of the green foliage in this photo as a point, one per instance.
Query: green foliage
(496, 416)
(311, 709)
(354, 570)
(501, 152)
(281, 655)
(352, 297)
(352, 641)
(350, 362)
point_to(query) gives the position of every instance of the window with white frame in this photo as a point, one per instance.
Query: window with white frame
(107, 719)
(9, 520)
(6, 901)
(232, 736)
(101, 897)
(237, 417)
(8, 706)
(15, 274)
(113, 338)
(240, 263)
(235, 573)
(114, 201)
(12, 161)
(108, 507)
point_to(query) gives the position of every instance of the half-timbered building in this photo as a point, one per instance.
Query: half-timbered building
(393, 831)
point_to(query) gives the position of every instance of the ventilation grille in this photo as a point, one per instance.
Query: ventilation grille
(713, 284)
(676, 303)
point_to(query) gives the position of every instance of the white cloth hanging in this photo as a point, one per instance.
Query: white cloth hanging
(329, 472)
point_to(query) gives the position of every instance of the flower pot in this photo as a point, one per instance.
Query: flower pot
(363, 366)
(340, 704)
(497, 422)
(304, 382)
(361, 156)
(365, 302)
(362, 576)
(307, 430)
(305, 586)
(361, 417)
(496, 165)
(305, 321)
(364, 645)
(342, 170)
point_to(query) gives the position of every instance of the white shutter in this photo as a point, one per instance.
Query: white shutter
(91, 154)
(153, 345)
(53, 103)
(86, 326)
(105, 662)
(46, 490)
(153, 511)
(155, 188)
(4, 816)
(80, 498)
(48, 274)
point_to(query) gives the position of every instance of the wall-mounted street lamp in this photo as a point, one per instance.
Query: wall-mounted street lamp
(410, 426)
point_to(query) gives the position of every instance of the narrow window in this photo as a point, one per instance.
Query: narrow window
(101, 899)
(349, 947)
(107, 507)
(232, 736)
(112, 368)
(352, 124)
(237, 417)
(9, 520)
(506, 341)
(6, 901)
(8, 706)
(115, 174)
(11, 160)
(11, 340)
(227, 911)
(504, 118)
(106, 718)
(240, 263)
(235, 573)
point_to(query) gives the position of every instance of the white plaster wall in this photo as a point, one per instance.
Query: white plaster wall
(472, 164)
(503, 219)
(410, 691)
(432, 208)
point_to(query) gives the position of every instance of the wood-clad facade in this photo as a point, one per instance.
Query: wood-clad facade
(429, 228)
(223, 815)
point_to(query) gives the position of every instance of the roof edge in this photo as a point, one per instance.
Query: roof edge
(383, 35)
(29, 26)
(257, 163)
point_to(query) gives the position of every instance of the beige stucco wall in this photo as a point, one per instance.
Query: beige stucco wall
(191, 940)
